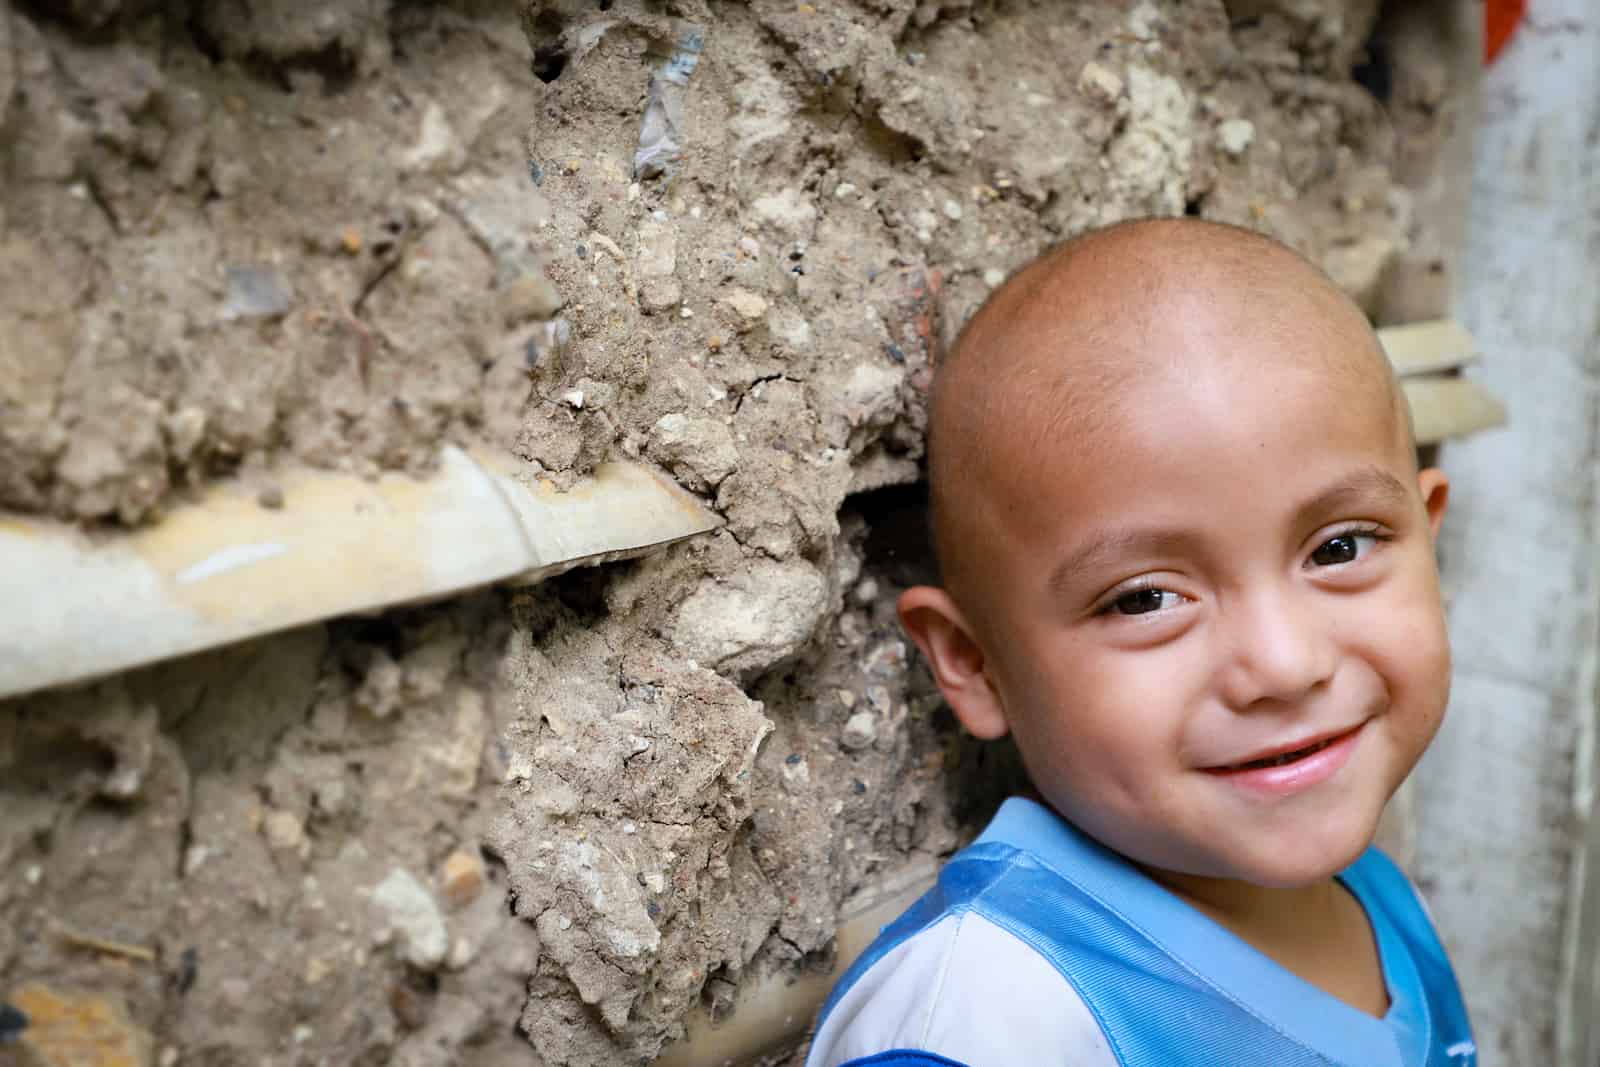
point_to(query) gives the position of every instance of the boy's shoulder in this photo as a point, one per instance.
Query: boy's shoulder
(966, 975)
(960, 989)
(1038, 945)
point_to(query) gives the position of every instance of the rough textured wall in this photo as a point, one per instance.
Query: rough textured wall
(538, 826)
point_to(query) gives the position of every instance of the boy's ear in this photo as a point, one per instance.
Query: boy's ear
(941, 631)
(1435, 495)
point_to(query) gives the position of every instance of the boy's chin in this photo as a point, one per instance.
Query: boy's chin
(1289, 862)
(1231, 887)
(1309, 861)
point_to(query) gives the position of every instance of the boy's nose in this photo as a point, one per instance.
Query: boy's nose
(1279, 649)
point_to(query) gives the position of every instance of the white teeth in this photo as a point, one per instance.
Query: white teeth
(1287, 757)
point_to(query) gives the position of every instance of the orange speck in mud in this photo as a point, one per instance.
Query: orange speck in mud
(84, 1030)
(1500, 20)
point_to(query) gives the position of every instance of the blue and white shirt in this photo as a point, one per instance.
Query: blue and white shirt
(1038, 946)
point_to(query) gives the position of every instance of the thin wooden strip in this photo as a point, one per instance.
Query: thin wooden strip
(1444, 407)
(1428, 347)
(102, 944)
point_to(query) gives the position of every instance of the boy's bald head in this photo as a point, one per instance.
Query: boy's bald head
(1058, 350)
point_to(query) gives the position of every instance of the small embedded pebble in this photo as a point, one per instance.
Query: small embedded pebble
(283, 830)
(860, 730)
(1099, 83)
(270, 497)
(1235, 136)
(255, 292)
(796, 775)
(530, 296)
(410, 910)
(12, 1023)
(749, 306)
(188, 970)
(463, 951)
(659, 295)
(461, 878)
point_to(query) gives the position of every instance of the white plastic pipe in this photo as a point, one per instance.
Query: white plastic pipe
(75, 605)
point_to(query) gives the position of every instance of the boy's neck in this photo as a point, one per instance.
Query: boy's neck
(1319, 932)
(1241, 905)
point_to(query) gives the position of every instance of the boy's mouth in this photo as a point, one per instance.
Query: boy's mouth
(1282, 758)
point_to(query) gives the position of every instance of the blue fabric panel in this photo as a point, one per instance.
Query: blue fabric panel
(904, 1057)
(1154, 1010)
(1168, 986)
(1407, 936)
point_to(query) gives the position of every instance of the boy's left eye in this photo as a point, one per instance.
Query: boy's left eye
(1144, 601)
(1343, 548)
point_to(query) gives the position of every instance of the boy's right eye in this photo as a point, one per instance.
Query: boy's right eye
(1143, 601)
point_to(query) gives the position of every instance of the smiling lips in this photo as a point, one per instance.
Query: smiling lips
(1290, 770)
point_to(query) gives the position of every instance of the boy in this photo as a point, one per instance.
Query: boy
(1188, 562)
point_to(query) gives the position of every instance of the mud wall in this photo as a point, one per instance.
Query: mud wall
(728, 239)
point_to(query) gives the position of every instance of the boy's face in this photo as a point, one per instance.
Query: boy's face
(1228, 566)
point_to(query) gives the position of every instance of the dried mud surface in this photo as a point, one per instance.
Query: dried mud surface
(537, 827)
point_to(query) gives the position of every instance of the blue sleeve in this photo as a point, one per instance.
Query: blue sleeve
(904, 1057)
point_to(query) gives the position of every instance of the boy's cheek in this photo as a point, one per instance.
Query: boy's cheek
(1406, 601)
(1405, 639)
(1096, 697)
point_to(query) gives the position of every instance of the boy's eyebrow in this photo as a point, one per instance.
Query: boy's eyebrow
(1114, 543)
(1367, 486)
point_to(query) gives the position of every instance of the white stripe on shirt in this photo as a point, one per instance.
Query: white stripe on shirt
(970, 991)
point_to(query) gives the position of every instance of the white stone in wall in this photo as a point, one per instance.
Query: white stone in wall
(413, 914)
(754, 619)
